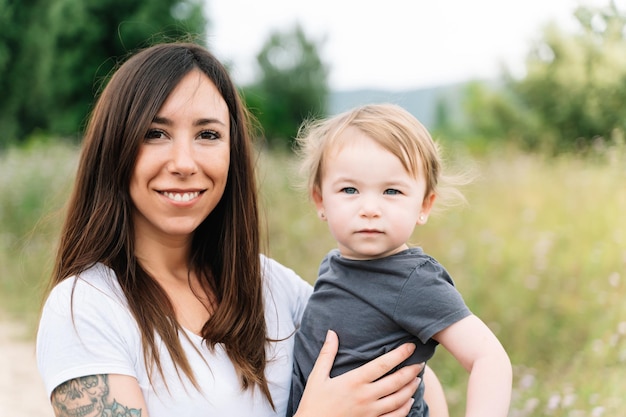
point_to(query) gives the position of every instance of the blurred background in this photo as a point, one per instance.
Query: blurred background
(530, 96)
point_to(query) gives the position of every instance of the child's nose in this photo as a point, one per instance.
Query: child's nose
(370, 207)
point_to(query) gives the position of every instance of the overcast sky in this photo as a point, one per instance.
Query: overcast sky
(392, 44)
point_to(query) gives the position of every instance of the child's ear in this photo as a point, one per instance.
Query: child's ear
(427, 205)
(316, 196)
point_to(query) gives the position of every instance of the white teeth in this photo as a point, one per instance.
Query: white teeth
(184, 197)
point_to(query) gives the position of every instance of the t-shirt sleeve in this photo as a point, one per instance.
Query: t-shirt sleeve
(100, 337)
(429, 301)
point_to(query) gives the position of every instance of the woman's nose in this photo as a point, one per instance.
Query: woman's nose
(182, 160)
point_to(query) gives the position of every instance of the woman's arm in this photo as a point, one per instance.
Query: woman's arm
(99, 395)
(360, 392)
(479, 351)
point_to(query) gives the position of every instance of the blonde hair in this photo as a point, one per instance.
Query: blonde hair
(390, 126)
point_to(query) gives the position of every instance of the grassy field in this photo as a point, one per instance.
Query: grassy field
(34, 184)
(539, 254)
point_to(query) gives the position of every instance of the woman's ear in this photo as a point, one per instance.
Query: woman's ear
(427, 205)
(316, 196)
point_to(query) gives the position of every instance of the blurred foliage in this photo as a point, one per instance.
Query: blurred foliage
(292, 85)
(572, 97)
(55, 53)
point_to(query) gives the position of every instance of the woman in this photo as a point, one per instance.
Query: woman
(159, 301)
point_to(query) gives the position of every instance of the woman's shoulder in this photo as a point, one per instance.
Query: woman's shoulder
(279, 278)
(275, 271)
(97, 283)
(285, 296)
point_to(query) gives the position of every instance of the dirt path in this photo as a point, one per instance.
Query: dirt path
(21, 390)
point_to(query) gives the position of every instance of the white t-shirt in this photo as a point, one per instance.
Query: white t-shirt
(104, 338)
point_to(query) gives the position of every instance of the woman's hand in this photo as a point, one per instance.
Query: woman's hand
(360, 392)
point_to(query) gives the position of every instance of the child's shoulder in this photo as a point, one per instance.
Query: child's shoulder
(426, 265)
(418, 257)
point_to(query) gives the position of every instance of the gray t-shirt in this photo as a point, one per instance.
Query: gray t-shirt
(375, 306)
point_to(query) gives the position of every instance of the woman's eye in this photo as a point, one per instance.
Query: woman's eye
(391, 191)
(154, 134)
(209, 134)
(349, 190)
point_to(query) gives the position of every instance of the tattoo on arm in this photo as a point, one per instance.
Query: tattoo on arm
(88, 396)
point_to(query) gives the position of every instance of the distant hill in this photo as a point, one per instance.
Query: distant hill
(421, 103)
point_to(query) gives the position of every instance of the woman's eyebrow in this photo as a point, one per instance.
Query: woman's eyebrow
(200, 122)
(208, 121)
(162, 120)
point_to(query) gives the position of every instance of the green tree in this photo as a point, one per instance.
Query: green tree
(573, 93)
(20, 41)
(59, 50)
(293, 85)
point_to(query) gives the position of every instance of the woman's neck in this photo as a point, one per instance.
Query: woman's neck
(164, 258)
(167, 262)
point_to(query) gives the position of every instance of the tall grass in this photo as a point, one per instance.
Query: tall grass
(539, 254)
(34, 184)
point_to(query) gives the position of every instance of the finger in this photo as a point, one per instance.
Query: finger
(402, 411)
(326, 358)
(395, 381)
(380, 366)
(400, 402)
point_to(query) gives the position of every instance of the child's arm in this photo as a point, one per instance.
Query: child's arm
(475, 346)
(434, 394)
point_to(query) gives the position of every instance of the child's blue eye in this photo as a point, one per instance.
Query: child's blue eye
(391, 191)
(349, 190)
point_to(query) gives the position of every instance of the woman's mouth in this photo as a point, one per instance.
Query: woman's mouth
(181, 197)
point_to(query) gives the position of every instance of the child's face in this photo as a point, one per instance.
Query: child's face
(370, 201)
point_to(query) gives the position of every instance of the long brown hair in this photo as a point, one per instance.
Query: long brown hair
(225, 247)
